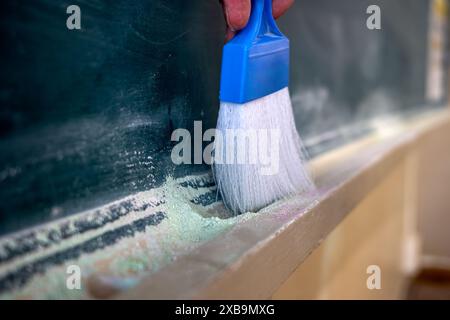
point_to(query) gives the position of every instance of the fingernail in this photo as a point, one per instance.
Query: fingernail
(227, 17)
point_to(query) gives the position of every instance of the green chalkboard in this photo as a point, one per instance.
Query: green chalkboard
(86, 115)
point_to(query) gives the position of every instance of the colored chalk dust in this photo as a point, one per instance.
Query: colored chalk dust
(133, 238)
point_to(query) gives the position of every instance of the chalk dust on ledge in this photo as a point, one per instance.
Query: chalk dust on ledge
(190, 216)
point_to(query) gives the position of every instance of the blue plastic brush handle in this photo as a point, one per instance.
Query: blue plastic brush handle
(255, 63)
(260, 23)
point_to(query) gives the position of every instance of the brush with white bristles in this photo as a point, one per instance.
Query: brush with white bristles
(259, 157)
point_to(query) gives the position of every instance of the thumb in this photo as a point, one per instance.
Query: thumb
(237, 13)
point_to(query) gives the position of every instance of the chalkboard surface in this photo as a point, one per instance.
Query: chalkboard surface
(86, 115)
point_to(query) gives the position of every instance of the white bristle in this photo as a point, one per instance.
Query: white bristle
(247, 186)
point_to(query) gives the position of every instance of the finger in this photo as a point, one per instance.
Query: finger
(279, 7)
(229, 34)
(237, 13)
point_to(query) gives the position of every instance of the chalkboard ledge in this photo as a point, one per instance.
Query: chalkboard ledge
(252, 260)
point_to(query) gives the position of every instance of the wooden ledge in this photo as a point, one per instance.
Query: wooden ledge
(253, 259)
